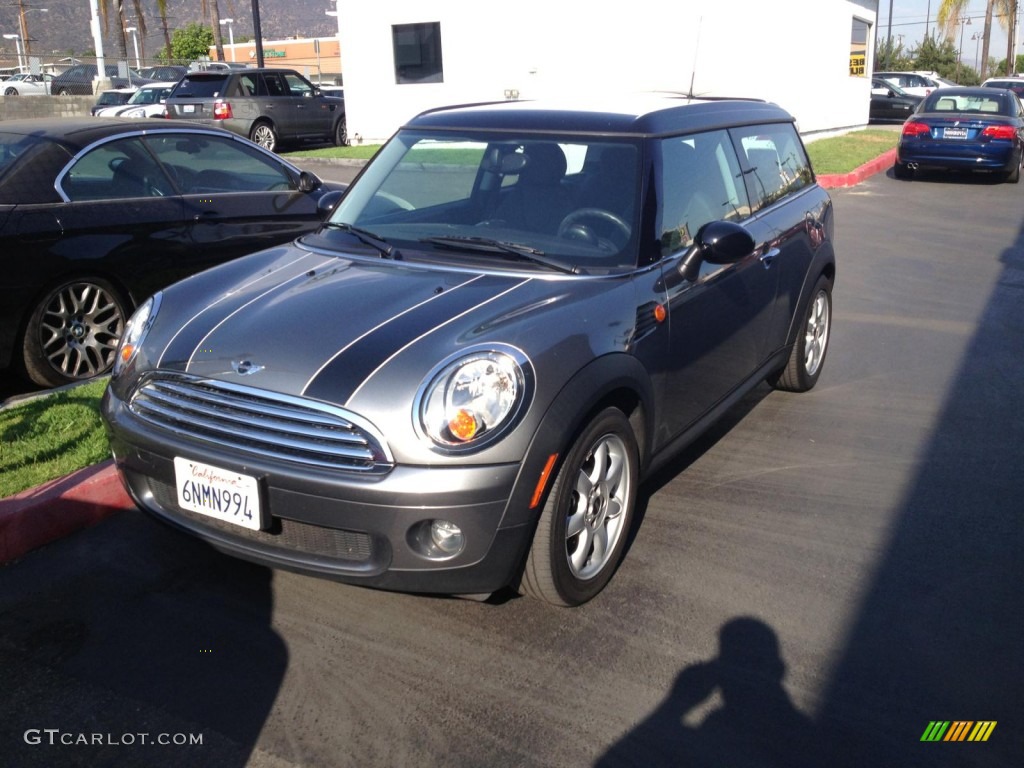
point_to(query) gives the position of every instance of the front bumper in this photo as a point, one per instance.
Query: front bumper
(338, 525)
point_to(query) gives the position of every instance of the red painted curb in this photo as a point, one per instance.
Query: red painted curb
(38, 516)
(855, 177)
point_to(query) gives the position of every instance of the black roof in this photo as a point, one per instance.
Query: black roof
(77, 132)
(641, 115)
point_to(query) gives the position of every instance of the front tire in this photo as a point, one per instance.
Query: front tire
(73, 333)
(264, 134)
(11, 92)
(584, 526)
(808, 356)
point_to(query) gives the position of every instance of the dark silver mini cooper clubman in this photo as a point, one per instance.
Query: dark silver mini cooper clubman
(515, 313)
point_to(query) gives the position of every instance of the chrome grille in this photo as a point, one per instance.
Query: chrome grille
(261, 423)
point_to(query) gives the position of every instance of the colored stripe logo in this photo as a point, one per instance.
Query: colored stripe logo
(958, 730)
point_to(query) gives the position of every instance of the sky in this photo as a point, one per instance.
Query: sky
(908, 19)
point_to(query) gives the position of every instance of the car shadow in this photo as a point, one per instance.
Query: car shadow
(967, 178)
(141, 647)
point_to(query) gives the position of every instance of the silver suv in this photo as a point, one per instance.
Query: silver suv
(268, 106)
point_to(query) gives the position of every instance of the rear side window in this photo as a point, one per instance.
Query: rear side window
(774, 162)
(200, 86)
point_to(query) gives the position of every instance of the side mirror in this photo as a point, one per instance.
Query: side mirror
(308, 182)
(329, 202)
(724, 242)
(717, 242)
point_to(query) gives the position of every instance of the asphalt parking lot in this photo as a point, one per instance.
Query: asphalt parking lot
(813, 583)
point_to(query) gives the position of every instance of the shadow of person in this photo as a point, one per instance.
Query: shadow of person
(755, 723)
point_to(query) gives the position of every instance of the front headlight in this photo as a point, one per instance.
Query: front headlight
(135, 331)
(471, 400)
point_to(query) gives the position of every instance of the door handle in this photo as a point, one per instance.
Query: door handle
(769, 256)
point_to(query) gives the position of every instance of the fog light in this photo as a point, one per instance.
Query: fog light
(447, 536)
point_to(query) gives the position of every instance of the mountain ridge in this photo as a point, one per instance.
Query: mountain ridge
(64, 29)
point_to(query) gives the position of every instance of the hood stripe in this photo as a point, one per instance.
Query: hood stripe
(189, 337)
(341, 377)
(431, 330)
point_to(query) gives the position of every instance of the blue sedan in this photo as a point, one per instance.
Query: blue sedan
(965, 129)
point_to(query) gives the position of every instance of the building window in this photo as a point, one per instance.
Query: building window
(859, 48)
(418, 53)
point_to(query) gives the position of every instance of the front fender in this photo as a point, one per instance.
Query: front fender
(616, 379)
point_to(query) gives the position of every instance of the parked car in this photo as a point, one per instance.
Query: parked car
(516, 313)
(164, 72)
(147, 101)
(964, 129)
(911, 82)
(25, 84)
(269, 106)
(95, 215)
(78, 80)
(115, 97)
(890, 103)
(1014, 84)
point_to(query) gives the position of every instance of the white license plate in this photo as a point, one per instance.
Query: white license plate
(188, 107)
(954, 133)
(218, 493)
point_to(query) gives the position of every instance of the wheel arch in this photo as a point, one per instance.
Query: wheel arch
(824, 263)
(618, 380)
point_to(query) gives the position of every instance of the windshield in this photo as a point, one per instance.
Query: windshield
(554, 202)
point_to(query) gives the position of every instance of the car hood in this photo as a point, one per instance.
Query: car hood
(345, 329)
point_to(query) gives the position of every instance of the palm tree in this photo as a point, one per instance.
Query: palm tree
(211, 7)
(1005, 11)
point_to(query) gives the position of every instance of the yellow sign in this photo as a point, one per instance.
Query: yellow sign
(858, 64)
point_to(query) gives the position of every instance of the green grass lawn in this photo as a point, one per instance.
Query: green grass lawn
(842, 154)
(51, 436)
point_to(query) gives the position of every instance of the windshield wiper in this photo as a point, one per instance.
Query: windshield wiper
(499, 246)
(386, 250)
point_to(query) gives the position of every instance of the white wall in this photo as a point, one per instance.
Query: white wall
(793, 52)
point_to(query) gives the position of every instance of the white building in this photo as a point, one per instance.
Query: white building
(813, 57)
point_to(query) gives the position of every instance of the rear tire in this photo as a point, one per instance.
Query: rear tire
(1014, 176)
(73, 332)
(808, 355)
(263, 133)
(586, 519)
(341, 133)
(902, 171)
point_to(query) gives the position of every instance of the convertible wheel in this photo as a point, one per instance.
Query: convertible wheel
(74, 332)
(264, 135)
(11, 92)
(583, 528)
(808, 355)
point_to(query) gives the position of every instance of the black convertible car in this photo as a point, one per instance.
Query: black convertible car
(516, 312)
(95, 215)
